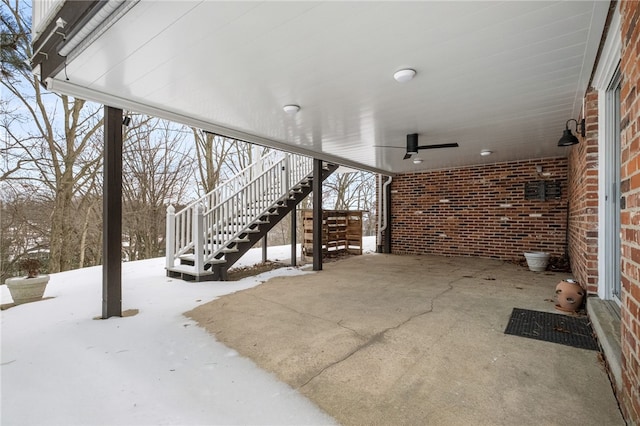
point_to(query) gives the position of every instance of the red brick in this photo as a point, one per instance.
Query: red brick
(472, 220)
(629, 397)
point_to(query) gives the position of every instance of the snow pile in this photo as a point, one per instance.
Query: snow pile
(60, 365)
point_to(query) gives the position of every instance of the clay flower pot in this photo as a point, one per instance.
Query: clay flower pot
(569, 295)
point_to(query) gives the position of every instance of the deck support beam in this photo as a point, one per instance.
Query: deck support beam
(294, 230)
(112, 215)
(317, 214)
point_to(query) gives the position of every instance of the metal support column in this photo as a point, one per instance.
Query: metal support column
(294, 231)
(317, 214)
(112, 215)
(264, 248)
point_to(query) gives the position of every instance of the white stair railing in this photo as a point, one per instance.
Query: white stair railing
(180, 239)
(206, 227)
(233, 185)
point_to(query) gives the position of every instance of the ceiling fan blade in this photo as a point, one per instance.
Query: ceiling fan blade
(412, 146)
(440, 145)
(388, 146)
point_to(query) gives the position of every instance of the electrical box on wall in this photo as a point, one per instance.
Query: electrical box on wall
(542, 190)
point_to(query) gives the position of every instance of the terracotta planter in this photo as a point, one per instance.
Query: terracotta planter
(24, 290)
(537, 261)
(569, 295)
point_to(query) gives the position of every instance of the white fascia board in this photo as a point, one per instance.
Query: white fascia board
(70, 89)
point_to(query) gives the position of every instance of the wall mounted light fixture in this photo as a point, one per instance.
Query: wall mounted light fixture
(568, 138)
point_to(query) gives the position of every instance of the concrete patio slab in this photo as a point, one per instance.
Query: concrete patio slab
(406, 340)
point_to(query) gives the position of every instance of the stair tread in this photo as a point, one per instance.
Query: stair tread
(251, 230)
(188, 269)
(192, 257)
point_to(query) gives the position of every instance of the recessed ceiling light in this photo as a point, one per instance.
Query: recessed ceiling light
(417, 160)
(485, 152)
(404, 75)
(291, 109)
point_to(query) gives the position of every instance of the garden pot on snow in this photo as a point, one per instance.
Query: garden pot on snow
(24, 290)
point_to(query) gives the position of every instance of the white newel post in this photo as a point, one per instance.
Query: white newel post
(257, 168)
(170, 236)
(285, 173)
(198, 238)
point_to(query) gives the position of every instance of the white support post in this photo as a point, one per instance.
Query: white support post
(170, 237)
(198, 241)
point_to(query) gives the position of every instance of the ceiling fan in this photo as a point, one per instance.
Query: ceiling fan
(413, 147)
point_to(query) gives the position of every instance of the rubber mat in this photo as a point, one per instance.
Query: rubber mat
(556, 328)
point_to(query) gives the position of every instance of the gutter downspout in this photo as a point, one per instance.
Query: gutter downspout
(382, 210)
(379, 214)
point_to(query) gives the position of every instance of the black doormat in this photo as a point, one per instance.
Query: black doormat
(556, 328)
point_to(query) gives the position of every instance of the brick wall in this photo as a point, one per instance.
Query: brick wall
(630, 217)
(477, 219)
(583, 200)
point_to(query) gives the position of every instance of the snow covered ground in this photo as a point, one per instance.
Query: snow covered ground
(61, 366)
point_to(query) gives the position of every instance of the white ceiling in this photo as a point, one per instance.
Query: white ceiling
(503, 76)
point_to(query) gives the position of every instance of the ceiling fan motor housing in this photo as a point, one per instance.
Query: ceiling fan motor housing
(412, 143)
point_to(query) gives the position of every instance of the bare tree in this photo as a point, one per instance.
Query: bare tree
(23, 222)
(90, 231)
(213, 154)
(353, 191)
(220, 158)
(242, 156)
(156, 172)
(61, 162)
(210, 157)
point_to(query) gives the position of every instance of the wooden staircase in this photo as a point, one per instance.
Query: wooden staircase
(206, 238)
